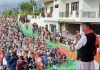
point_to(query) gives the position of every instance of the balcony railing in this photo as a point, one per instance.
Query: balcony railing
(61, 14)
(49, 14)
(73, 14)
(89, 14)
(77, 14)
(69, 14)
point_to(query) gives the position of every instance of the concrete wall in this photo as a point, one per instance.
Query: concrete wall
(40, 22)
(85, 5)
(52, 22)
(89, 5)
(43, 23)
(29, 17)
(63, 3)
(56, 10)
(48, 8)
(62, 6)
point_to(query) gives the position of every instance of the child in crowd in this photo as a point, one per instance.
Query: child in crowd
(24, 52)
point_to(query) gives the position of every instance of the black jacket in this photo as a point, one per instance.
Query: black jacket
(87, 52)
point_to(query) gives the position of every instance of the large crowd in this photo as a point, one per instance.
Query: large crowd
(24, 52)
(19, 51)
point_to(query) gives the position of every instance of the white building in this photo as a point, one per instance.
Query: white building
(62, 15)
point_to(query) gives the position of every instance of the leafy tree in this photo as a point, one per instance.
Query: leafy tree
(26, 7)
(11, 13)
(15, 12)
(33, 2)
(7, 13)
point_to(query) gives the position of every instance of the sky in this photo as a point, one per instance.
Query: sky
(8, 4)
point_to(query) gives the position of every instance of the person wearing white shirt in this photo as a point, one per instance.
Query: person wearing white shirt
(4, 63)
(86, 48)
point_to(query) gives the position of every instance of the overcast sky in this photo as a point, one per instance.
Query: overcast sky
(8, 4)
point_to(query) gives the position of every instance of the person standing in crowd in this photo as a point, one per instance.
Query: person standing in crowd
(72, 51)
(20, 63)
(11, 59)
(97, 56)
(86, 48)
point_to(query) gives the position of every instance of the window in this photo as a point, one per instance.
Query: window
(51, 9)
(67, 10)
(56, 6)
(53, 28)
(75, 6)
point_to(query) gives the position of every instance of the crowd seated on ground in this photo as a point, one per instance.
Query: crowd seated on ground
(69, 38)
(24, 52)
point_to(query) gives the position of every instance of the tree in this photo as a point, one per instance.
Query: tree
(15, 11)
(11, 13)
(36, 11)
(7, 13)
(33, 2)
(26, 8)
